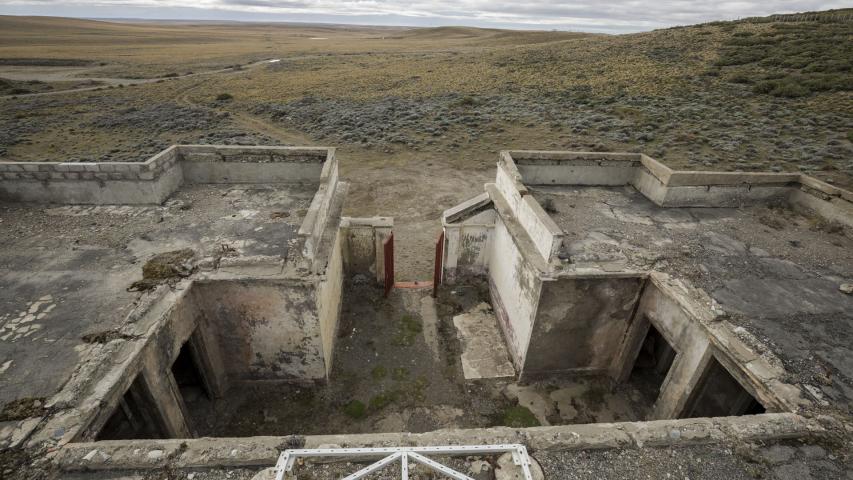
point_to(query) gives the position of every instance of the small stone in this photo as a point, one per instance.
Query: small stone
(813, 451)
(778, 454)
(89, 456)
(846, 288)
(155, 454)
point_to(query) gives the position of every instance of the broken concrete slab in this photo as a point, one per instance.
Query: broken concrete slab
(484, 353)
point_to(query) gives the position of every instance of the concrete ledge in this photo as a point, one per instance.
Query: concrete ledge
(521, 237)
(671, 188)
(152, 181)
(264, 451)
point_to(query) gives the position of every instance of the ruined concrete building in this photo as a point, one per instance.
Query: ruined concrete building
(210, 307)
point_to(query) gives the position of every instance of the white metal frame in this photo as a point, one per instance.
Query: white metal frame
(390, 455)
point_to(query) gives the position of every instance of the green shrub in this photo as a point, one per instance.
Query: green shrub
(739, 78)
(764, 87)
(789, 89)
(355, 409)
(519, 417)
(224, 97)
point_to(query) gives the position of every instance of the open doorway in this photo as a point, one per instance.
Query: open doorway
(188, 376)
(653, 362)
(719, 394)
(135, 417)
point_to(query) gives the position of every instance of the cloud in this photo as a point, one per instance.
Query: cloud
(604, 15)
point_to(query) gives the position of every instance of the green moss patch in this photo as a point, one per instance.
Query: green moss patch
(519, 417)
(355, 409)
(408, 329)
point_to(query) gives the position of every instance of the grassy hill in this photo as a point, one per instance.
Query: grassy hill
(771, 93)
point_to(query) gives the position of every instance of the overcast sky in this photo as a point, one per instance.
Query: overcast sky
(612, 16)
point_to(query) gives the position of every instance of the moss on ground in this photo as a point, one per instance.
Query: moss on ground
(355, 409)
(519, 417)
(379, 372)
(407, 330)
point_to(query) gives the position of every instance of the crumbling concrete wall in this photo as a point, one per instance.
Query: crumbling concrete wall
(149, 182)
(251, 164)
(545, 234)
(686, 336)
(183, 322)
(269, 330)
(362, 241)
(580, 323)
(576, 168)
(468, 230)
(154, 180)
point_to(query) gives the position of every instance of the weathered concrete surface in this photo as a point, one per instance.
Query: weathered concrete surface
(579, 324)
(267, 329)
(65, 299)
(776, 272)
(264, 451)
(484, 352)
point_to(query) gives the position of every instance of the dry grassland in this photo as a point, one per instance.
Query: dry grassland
(419, 114)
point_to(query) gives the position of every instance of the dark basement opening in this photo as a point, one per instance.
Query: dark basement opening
(188, 376)
(719, 394)
(136, 416)
(653, 363)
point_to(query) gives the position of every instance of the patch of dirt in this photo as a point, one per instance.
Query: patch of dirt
(165, 267)
(22, 408)
(105, 337)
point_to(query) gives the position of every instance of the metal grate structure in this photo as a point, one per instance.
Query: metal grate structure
(405, 455)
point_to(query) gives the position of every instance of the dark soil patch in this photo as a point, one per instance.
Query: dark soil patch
(22, 408)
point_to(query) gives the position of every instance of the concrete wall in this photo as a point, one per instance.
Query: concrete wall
(152, 181)
(672, 188)
(147, 182)
(362, 242)
(831, 203)
(545, 234)
(316, 219)
(576, 168)
(328, 300)
(268, 330)
(580, 323)
(251, 164)
(514, 286)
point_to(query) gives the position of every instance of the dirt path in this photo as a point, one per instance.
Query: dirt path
(57, 76)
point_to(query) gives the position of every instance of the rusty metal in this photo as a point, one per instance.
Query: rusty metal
(388, 250)
(439, 256)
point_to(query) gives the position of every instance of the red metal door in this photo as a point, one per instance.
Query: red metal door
(388, 250)
(439, 256)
